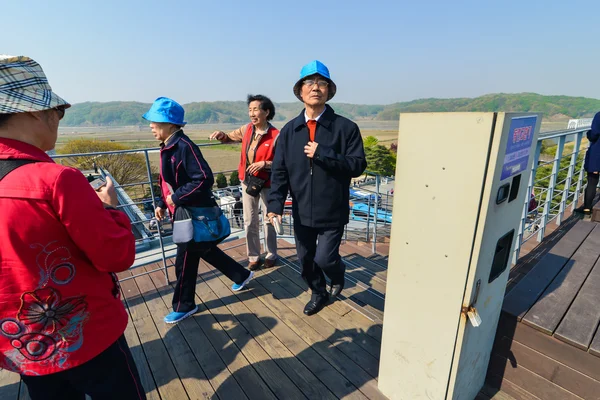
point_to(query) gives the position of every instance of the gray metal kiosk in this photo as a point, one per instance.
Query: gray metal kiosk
(465, 177)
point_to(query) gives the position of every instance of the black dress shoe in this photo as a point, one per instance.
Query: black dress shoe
(336, 288)
(314, 306)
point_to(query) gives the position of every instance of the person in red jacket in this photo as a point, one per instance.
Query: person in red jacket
(258, 140)
(62, 319)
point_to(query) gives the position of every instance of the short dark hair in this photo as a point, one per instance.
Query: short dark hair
(265, 104)
(4, 119)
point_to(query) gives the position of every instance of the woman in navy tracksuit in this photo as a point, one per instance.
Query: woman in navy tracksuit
(186, 180)
(592, 165)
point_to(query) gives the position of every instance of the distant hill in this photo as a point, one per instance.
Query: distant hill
(119, 113)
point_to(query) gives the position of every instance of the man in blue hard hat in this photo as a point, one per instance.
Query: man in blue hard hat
(317, 155)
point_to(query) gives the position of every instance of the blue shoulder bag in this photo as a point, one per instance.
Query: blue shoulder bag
(201, 225)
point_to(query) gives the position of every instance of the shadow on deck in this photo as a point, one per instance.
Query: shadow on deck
(255, 344)
(547, 345)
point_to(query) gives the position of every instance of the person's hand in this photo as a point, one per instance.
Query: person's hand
(218, 135)
(271, 215)
(255, 167)
(159, 213)
(170, 201)
(108, 194)
(310, 149)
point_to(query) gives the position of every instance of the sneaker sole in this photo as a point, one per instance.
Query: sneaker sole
(189, 314)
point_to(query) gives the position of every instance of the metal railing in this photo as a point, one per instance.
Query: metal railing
(556, 179)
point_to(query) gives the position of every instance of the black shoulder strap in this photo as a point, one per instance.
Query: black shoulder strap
(7, 166)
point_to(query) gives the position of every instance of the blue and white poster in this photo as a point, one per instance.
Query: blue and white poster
(518, 146)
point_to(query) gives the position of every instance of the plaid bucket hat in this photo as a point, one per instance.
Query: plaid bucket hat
(24, 87)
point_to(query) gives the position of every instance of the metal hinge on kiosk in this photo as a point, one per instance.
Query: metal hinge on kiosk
(471, 311)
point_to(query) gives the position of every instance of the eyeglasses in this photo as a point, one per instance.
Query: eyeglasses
(61, 112)
(311, 83)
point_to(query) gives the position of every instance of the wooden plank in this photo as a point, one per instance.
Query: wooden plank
(520, 299)
(582, 319)
(228, 340)
(213, 366)
(533, 383)
(331, 352)
(494, 394)
(9, 385)
(163, 370)
(192, 376)
(550, 309)
(327, 319)
(141, 363)
(552, 370)
(509, 388)
(297, 372)
(367, 356)
(279, 383)
(335, 381)
(341, 352)
(359, 296)
(553, 348)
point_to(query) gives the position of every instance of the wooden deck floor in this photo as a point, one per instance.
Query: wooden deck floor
(256, 344)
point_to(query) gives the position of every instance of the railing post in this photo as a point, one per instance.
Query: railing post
(579, 180)
(158, 223)
(551, 186)
(571, 171)
(519, 238)
(377, 183)
(368, 218)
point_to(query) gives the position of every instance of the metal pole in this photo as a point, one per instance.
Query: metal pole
(570, 173)
(551, 186)
(377, 181)
(368, 217)
(579, 183)
(519, 238)
(158, 225)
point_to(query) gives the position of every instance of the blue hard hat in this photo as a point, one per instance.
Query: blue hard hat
(315, 67)
(167, 111)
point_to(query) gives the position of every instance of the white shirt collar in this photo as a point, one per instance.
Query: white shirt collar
(306, 119)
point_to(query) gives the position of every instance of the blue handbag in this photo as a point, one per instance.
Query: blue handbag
(210, 224)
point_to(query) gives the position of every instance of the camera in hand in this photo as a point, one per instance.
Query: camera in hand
(98, 183)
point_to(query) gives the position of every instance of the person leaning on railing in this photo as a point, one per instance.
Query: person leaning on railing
(592, 166)
(186, 180)
(62, 320)
(258, 150)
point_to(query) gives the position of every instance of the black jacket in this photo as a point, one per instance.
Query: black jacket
(188, 173)
(320, 189)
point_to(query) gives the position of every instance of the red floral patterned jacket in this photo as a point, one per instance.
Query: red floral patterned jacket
(59, 250)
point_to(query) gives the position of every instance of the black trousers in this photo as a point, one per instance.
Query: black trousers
(111, 375)
(186, 270)
(590, 190)
(319, 254)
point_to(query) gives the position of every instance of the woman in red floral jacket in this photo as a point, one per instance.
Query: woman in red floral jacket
(61, 243)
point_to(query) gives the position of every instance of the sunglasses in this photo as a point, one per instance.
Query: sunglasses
(61, 111)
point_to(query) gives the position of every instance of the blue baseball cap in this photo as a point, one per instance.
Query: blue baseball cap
(167, 111)
(315, 67)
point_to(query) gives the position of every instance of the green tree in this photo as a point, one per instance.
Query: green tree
(221, 180)
(380, 160)
(370, 141)
(234, 178)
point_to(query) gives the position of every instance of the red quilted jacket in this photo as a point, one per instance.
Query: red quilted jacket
(59, 250)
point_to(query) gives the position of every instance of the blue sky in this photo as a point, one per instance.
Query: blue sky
(378, 52)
